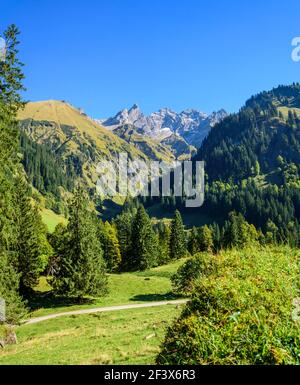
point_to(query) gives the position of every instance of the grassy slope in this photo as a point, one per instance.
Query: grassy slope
(151, 147)
(285, 111)
(62, 113)
(242, 312)
(51, 219)
(128, 288)
(68, 132)
(108, 338)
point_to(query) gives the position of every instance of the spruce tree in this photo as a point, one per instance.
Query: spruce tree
(231, 231)
(193, 241)
(11, 77)
(216, 237)
(238, 232)
(144, 245)
(57, 241)
(164, 243)
(11, 74)
(123, 224)
(205, 239)
(30, 239)
(9, 291)
(81, 267)
(177, 238)
(111, 248)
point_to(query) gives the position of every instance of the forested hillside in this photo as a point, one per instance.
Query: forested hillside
(262, 137)
(22, 235)
(252, 163)
(239, 263)
(46, 172)
(61, 146)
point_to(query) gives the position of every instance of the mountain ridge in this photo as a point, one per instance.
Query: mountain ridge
(266, 127)
(191, 125)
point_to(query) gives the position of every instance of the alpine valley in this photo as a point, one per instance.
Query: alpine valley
(61, 144)
(119, 277)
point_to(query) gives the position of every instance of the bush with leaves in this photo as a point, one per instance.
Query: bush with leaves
(184, 280)
(242, 312)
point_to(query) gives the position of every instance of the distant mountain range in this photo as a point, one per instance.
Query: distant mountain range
(190, 126)
(60, 144)
(58, 138)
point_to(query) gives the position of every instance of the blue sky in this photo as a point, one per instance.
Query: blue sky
(105, 55)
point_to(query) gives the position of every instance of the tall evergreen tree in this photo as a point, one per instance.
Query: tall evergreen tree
(81, 266)
(123, 224)
(231, 232)
(193, 241)
(9, 291)
(216, 233)
(57, 241)
(111, 248)
(30, 241)
(11, 77)
(177, 238)
(164, 243)
(11, 74)
(205, 239)
(144, 245)
(238, 232)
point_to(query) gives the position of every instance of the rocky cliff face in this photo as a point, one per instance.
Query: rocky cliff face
(191, 125)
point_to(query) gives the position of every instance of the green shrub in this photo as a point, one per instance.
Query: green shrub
(184, 280)
(241, 312)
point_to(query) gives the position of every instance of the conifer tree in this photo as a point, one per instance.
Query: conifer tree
(238, 232)
(193, 241)
(231, 231)
(205, 239)
(271, 232)
(111, 248)
(217, 237)
(291, 118)
(280, 115)
(257, 168)
(81, 265)
(57, 241)
(177, 238)
(11, 77)
(144, 244)
(9, 291)
(123, 225)
(164, 243)
(30, 238)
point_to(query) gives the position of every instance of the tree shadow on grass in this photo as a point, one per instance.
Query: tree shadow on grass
(48, 300)
(155, 297)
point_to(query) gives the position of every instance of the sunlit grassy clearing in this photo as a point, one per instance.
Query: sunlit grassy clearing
(127, 288)
(125, 337)
(51, 219)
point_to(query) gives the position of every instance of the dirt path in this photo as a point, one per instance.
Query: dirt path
(103, 310)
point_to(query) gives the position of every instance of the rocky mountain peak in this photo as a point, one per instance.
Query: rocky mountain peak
(192, 125)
